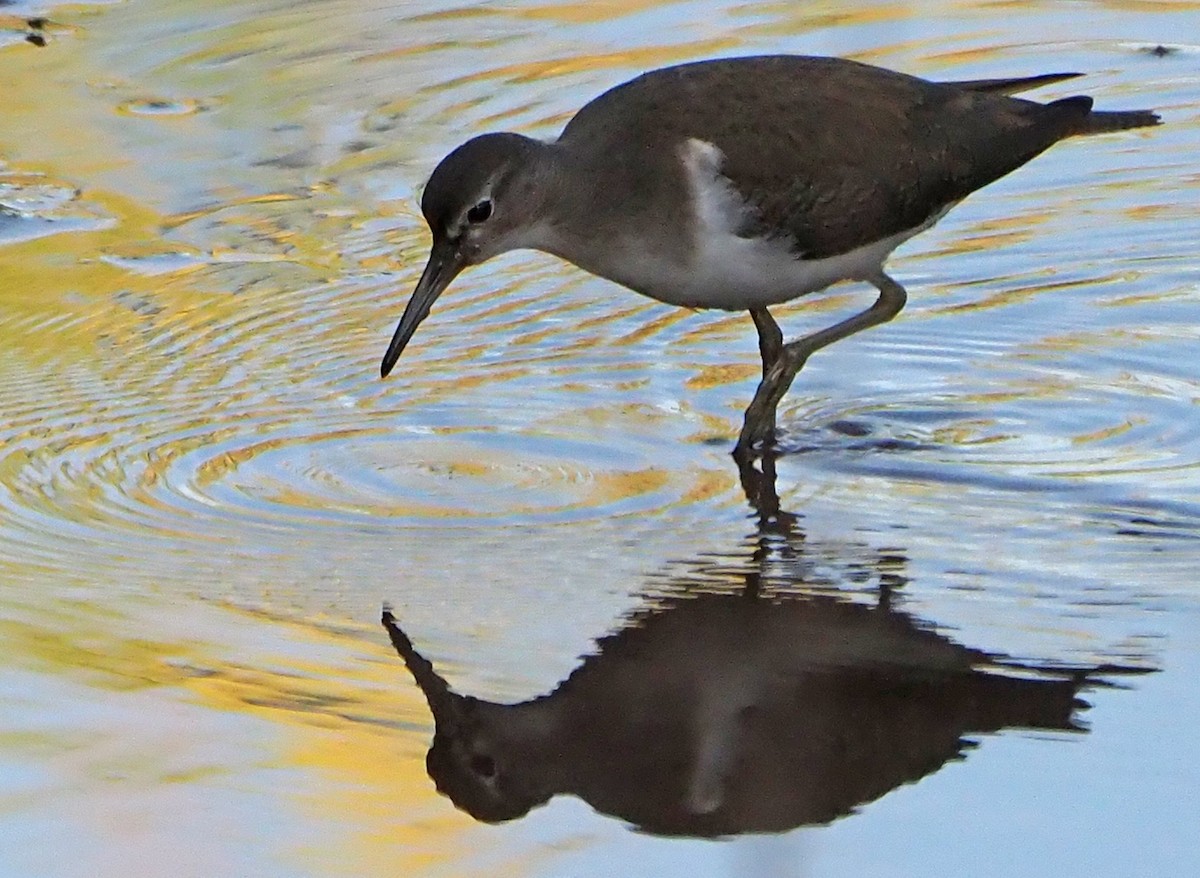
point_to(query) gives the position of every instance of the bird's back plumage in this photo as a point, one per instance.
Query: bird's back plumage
(831, 153)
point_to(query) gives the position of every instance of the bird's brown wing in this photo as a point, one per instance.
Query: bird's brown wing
(831, 153)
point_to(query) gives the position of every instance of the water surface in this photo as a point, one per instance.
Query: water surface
(208, 228)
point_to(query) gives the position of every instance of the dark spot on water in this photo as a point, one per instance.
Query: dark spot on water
(36, 39)
(36, 23)
(1160, 51)
(1155, 530)
(159, 107)
(850, 428)
(292, 161)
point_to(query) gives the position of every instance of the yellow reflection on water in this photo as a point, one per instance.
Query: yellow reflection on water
(339, 722)
(340, 719)
(189, 378)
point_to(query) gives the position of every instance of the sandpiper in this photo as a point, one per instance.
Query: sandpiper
(742, 183)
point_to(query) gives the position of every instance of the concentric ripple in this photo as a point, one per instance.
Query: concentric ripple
(1123, 439)
(375, 475)
(259, 417)
(207, 375)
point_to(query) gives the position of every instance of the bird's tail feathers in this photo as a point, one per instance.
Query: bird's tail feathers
(1076, 116)
(1101, 121)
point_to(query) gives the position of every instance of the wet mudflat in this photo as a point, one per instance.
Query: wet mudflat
(959, 630)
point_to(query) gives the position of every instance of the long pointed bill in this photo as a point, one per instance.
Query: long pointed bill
(443, 266)
(443, 703)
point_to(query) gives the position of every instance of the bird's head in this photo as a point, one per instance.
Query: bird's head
(481, 201)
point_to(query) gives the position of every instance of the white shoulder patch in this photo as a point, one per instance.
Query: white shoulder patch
(699, 154)
(722, 269)
(718, 206)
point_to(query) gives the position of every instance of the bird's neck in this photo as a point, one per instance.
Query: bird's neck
(583, 211)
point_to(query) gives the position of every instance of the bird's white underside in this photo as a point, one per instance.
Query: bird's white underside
(734, 273)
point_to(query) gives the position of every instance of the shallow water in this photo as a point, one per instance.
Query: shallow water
(208, 228)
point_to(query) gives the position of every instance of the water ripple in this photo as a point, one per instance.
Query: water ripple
(212, 372)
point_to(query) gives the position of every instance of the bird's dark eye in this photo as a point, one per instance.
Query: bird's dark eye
(480, 212)
(484, 766)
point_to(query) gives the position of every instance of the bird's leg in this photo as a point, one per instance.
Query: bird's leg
(759, 424)
(770, 346)
(770, 337)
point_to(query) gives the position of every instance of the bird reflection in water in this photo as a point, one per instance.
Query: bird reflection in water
(748, 696)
